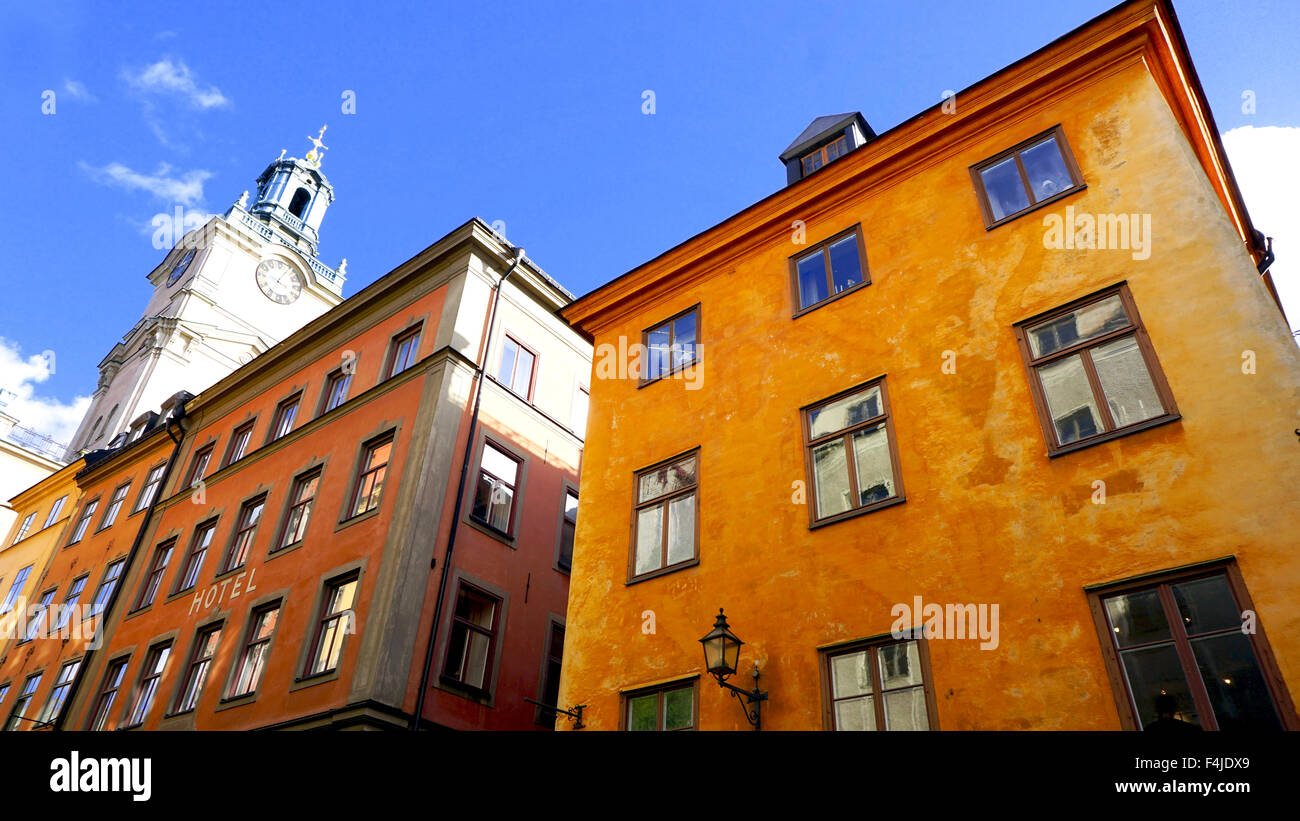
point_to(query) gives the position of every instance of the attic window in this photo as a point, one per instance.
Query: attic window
(821, 156)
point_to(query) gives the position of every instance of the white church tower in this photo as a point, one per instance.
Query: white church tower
(224, 294)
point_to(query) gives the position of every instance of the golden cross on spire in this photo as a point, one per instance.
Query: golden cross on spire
(318, 149)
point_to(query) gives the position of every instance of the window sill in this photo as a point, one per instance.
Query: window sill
(488, 530)
(475, 694)
(302, 682)
(1083, 186)
(663, 571)
(830, 299)
(672, 374)
(231, 702)
(1118, 433)
(280, 551)
(360, 517)
(856, 512)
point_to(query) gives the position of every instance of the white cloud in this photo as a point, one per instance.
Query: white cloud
(78, 91)
(173, 77)
(45, 414)
(1266, 163)
(185, 189)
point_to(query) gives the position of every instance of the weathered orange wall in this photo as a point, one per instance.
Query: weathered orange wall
(989, 518)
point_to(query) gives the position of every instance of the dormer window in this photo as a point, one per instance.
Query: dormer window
(816, 159)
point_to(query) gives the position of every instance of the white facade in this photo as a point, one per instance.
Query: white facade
(20, 468)
(224, 294)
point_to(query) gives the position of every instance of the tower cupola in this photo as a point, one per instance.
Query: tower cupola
(293, 194)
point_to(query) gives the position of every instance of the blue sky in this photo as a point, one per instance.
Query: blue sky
(528, 113)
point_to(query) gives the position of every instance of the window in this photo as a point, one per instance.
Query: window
(850, 454)
(15, 589)
(821, 156)
(551, 666)
(568, 528)
(1035, 172)
(17, 714)
(154, 665)
(87, 513)
(1092, 372)
(205, 649)
(24, 527)
(199, 545)
(4, 692)
(472, 640)
(370, 481)
(829, 269)
(335, 622)
(161, 555)
(239, 442)
(70, 603)
(298, 205)
(517, 364)
(200, 467)
(581, 406)
(494, 497)
(878, 687)
(249, 517)
(304, 497)
(671, 345)
(284, 416)
(336, 389)
(55, 511)
(665, 518)
(661, 708)
(405, 347)
(106, 587)
(1183, 658)
(108, 694)
(257, 647)
(114, 505)
(58, 693)
(150, 490)
(40, 614)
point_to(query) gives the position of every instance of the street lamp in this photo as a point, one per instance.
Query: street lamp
(721, 658)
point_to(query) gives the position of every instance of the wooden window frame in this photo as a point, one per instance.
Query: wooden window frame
(41, 616)
(244, 430)
(250, 641)
(25, 697)
(114, 506)
(1072, 167)
(88, 511)
(872, 646)
(109, 688)
(824, 153)
(198, 665)
(335, 377)
(362, 472)
(152, 582)
(16, 588)
(145, 498)
(809, 444)
(395, 347)
(541, 717)
(104, 580)
(294, 503)
(1136, 329)
(1125, 703)
(527, 396)
(625, 703)
(289, 406)
(24, 527)
(560, 564)
(325, 615)
(494, 638)
(190, 566)
(138, 706)
(515, 488)
(643, 365)
(199, 464)
(824, 248)
(70, 600)
(664, 501)
(56, 510)
(228, 564)
(49, 712)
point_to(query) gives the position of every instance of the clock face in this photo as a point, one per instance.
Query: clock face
(278, 281)
(180, 267)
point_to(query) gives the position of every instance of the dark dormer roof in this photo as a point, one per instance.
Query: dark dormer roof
(822, 127)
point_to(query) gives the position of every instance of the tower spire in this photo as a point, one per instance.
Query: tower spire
(317, 154)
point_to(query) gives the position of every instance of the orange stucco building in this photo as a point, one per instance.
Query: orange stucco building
(984, 422)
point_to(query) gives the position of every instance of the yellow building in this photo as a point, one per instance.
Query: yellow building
(984, 422)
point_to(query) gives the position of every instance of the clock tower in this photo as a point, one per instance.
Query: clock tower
(224, 294)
